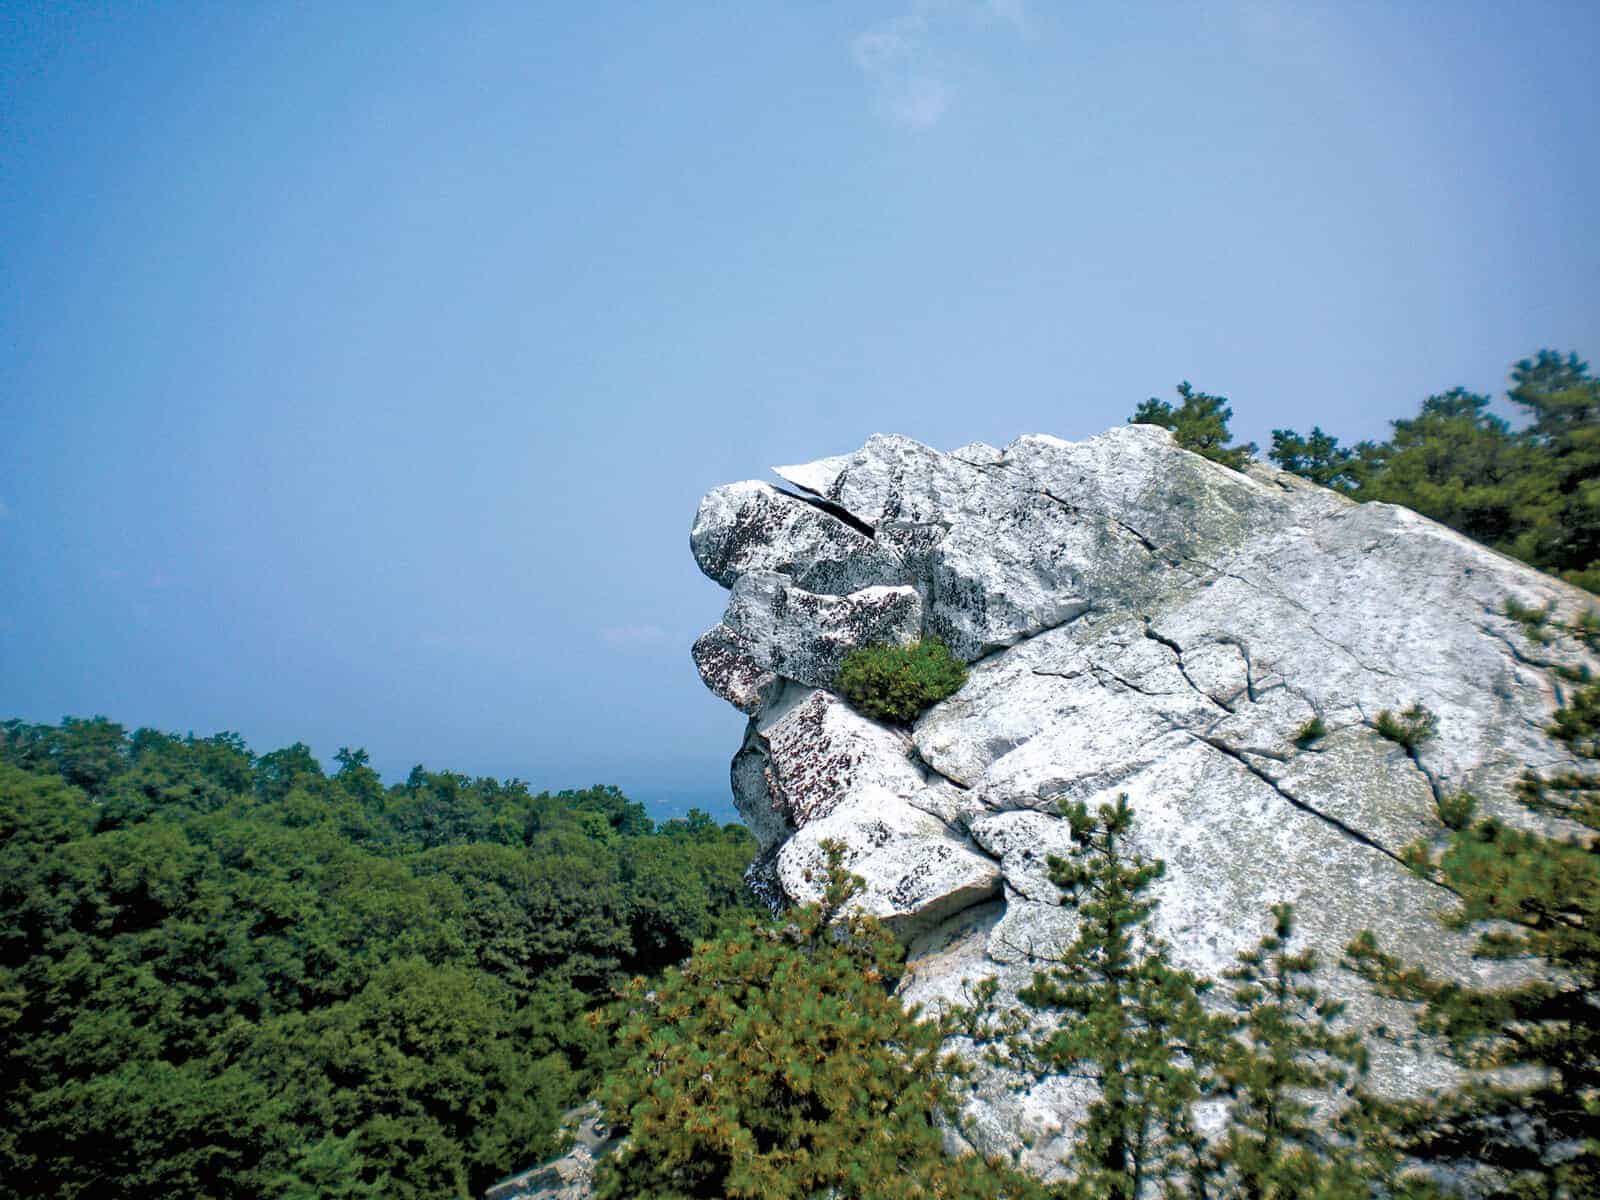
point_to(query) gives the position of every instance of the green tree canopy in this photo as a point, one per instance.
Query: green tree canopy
(777, 1063)
(1113, 1009)
(1200, 423)
(1287, 1046)
(225, 975)
(1529, 1126)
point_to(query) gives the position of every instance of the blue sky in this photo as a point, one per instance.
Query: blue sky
(361, 366)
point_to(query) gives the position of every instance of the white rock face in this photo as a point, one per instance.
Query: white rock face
(1138, 620)
(814, 770)
(774, 630)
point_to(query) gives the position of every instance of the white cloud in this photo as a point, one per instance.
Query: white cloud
(633, 637)
(902, 65)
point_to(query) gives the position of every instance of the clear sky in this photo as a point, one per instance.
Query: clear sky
(361, 365)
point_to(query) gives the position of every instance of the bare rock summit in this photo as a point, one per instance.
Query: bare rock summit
(1138, 620)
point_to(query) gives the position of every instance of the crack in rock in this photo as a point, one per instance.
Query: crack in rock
(1249, 667)
(989, 655)
(837, 511)
(1349, 831)
(1177, 654)
(1414, 754)
(1517, 653)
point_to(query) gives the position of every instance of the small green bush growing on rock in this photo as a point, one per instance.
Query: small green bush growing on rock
(1312, 732)
(1540, 626)
(1456, 809)
(896, 683)
(1532, 620)
(1410, 729)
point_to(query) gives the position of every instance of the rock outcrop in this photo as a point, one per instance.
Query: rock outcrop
(1139, 620)
(570, 1177)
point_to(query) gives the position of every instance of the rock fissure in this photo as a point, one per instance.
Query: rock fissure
(1243, 648)
(1350, 831)
(1099, 669)
(1079, 511)
(929, 769)
(837, 511)
(989, 655)
(1177, 654)
(1257, 585)
(1414, 755)
(1101, 673)
(1517, 652)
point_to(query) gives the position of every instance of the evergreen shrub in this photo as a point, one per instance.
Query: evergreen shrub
(897, 683)
(777, 1063)
(1309, 734)
(1456, 809)
(1410, 729)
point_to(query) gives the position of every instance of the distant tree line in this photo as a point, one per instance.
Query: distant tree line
(225, 974)
(1532, 492)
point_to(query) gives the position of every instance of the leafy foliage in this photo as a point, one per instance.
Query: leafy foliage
(1309, 734)
(1286, 1045)
(1455, 809)
(896, 683)
(777, 1063)
(1563, 402)
(224, 974)
(1320, 458)
(1200, 423)
(1272, 1050)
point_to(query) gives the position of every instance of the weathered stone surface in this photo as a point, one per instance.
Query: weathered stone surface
(916, 873)
(783, 630)
(753, 527)
(826, 773)
(728, 665)
(1138, 620)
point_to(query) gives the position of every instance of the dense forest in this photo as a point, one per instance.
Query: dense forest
(229, 974)
(225, 974)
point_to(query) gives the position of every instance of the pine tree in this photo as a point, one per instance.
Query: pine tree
(1200, 424)
(778, 1063)
(1113, 1009)
(1532, 492)
(1286, 1044)
(1319, 457)
(1564, 402)
(1531, 1131)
